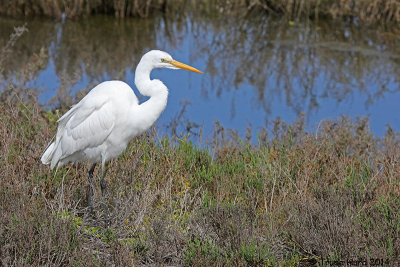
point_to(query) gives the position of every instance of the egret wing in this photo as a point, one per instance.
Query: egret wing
(86, 125)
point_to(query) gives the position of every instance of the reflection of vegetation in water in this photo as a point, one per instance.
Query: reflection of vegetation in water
(98, 47)
(301, 63)
(19, 68)
(103, 46)
(39, 35)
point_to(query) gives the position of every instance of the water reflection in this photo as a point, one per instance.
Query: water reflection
(40, 34)
(258, 68)
(303, 63)
(102, 46)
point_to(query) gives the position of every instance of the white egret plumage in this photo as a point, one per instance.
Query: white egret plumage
(100, 126)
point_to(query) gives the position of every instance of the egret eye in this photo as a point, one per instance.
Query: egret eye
(164, 60)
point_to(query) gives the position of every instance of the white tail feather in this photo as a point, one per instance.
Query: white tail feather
(48, 154)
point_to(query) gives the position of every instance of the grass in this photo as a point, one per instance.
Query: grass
(296, 198)
(378, 11)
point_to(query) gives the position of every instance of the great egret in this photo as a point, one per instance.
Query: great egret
(101, 125)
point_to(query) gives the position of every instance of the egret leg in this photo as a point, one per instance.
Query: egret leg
(103, 185)
(90, 189)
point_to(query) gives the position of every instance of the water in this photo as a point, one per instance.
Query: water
(256, 68)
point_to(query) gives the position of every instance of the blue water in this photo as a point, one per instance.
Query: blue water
(256, 70)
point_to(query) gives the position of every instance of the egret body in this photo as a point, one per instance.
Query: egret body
(100, 126)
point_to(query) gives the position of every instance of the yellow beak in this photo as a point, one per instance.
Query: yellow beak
(184, 66)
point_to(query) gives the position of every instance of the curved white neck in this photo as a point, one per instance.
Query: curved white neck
(155, 89)
(142, 77)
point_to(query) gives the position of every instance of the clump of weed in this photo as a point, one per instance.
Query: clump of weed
(296, 197)
(382, 11)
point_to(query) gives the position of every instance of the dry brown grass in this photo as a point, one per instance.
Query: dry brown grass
(298, 197)
(379, 11)
(79, 8)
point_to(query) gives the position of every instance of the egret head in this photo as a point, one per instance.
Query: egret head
(161, 59)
